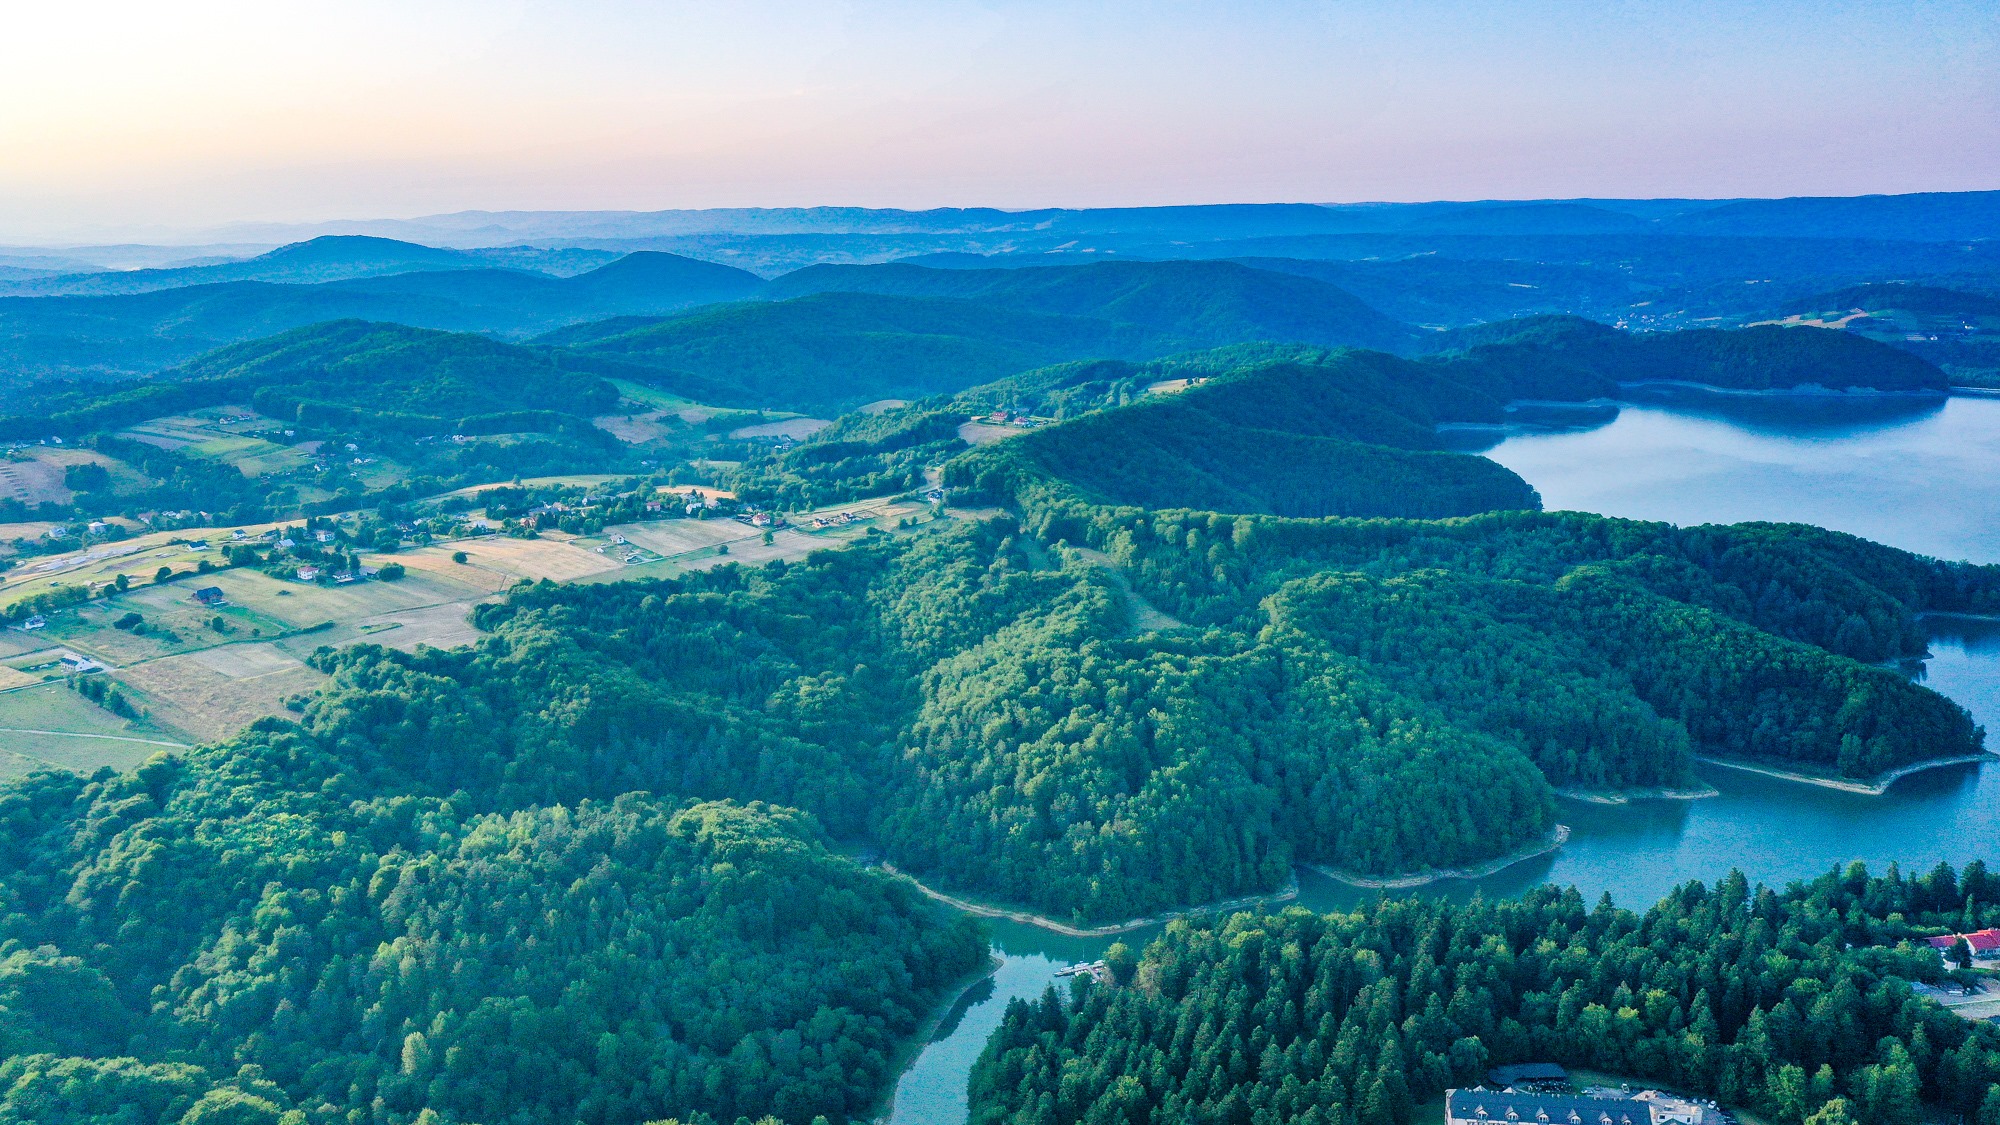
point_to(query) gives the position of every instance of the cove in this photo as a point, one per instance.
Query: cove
(1919, 474)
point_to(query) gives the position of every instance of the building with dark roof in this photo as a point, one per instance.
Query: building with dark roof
(1527, 1107)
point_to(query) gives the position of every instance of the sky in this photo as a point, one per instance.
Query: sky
(122, 118)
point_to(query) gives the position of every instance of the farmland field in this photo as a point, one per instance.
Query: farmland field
(217, 691)
(191, 676)
(52, 727)
(495, 562)
(253, 457)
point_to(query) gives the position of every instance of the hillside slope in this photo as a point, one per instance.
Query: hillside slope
(1198, 304)
(71, 336)
(407, 378)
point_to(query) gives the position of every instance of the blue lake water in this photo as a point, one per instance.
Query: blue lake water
(1922, 475)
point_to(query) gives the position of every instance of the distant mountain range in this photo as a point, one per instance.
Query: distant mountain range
(1929, 216)
(326, 258)
(1128, 283)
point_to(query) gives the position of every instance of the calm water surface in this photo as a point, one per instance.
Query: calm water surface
(1920, 475)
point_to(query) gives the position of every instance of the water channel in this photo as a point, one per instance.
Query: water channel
(1918, 474)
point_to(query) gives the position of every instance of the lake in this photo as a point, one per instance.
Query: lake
(1919, 474)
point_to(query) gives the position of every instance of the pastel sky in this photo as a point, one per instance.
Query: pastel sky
(122, 116)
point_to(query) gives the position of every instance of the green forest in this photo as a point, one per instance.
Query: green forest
(1794, 1004)
(1243, 610)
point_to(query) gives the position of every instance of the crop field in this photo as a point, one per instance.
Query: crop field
(196, 681)
(633, 429)
(986, 433)
(253, 457)
(576, 480)
(796, 429)
(33, 481)
(685, 545)
(217, 691)
(52, 727)
(495, 562)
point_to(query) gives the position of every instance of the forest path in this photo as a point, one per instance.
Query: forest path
(1146, 617)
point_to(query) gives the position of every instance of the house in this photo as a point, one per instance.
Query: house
(97, 527)
(322, 536)
(287, 544)
(1601, 1106)
(761, 519)
(57, 532)
(1985, 944)
(80, 664)
(209, 595)
(35, 622)
(344, 577)
(308, 573)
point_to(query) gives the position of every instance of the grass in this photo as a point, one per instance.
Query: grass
(253, 457)
(217, 691)
(653, 396)
(90, 737)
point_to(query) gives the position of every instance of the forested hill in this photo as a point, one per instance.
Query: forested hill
(1286, 428)
(1797, 1006)
(835, 351)
(1338, 434)
(1916, 298)
(547, 878)
(1304, 432)
(343, 373)
(1199, 303)
(1762, 358)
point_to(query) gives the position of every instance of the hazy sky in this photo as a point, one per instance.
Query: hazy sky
(120, 114)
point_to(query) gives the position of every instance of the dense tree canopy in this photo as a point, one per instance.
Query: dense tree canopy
(1784, 1003)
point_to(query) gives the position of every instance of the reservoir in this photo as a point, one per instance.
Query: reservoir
(1921, 474)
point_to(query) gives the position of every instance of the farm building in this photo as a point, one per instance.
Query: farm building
(209, 595)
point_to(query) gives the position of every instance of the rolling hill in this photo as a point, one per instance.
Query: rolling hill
(835, 350)
(1198, 304)
(134, 333)
(344, 372)
(326, 258)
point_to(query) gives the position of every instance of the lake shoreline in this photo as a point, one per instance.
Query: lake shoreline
(913, 1046)
(1286, 893)
(1873, 788)
(1556, 838)
(1803, 390)
(1627, 796)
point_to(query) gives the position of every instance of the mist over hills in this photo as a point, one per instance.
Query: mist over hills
(71, 336)
(1927, 216)
(324, 258)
